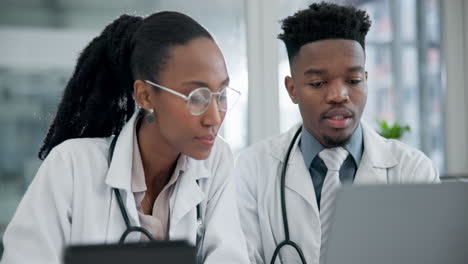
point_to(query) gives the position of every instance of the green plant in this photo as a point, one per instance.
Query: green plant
(394, 131)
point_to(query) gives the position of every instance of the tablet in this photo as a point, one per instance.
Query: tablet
(148, 252)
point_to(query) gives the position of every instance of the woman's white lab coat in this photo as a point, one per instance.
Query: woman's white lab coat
(258, 175)
(70, 201)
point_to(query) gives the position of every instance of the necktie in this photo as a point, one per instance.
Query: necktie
(333, 159)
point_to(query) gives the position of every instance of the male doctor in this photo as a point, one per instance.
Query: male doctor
(325, 45)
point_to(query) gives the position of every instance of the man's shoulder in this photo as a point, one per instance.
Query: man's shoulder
(406, 163)
(405, 153)
(413, 165)
(389, 148)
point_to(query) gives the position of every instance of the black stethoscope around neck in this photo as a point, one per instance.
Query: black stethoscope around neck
(287, 240)
(131, 228)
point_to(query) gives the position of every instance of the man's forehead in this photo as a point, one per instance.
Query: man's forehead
(324, 52)
(331, 47)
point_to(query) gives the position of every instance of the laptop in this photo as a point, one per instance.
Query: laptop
(404, 224)
(174, 252)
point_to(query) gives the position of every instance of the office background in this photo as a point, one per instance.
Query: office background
(417, 58)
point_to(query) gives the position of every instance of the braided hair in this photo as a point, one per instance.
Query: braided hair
(98, 98)
(324, 21)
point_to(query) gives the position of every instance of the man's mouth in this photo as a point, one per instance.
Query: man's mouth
(338, 118)
(338, 122)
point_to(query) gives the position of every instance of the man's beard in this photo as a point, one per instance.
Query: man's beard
(336, 142)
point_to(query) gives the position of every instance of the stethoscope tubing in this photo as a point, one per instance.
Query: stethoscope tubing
(287, 240)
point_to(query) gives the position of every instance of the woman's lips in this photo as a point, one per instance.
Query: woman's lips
(207, 140)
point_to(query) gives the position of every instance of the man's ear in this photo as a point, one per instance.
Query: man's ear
(142, 92)
(291, 88)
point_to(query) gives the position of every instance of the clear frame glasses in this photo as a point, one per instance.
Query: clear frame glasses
(199, 100)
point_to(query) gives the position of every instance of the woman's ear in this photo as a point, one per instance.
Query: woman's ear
(142, 92)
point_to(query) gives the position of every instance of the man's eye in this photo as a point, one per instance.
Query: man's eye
(317, 84)
(355, 81)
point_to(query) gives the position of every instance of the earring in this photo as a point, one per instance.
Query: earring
(150, 116)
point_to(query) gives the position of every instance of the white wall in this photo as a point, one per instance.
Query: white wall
(262, 57)
(455, 46)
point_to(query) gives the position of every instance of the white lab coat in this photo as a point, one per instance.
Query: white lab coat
(70, 201)
(258, 172)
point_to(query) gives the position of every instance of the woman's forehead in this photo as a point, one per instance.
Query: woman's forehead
(198, 60)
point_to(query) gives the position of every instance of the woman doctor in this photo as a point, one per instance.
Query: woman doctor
(168, 166)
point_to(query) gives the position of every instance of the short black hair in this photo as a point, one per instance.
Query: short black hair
(98, 99)
(323, 21)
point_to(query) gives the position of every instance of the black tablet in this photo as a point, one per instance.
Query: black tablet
(174, 252)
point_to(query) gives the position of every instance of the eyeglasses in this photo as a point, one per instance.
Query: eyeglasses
(199, 99)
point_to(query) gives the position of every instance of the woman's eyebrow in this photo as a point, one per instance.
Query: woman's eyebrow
(204, 84)
(196, 83)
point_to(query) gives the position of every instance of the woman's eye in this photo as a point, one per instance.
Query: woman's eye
(317, 84)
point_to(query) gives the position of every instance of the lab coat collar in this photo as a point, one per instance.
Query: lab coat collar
(278, 151)
(119, 177)
(298, 178)
(376, 148)
(377, 156)
(187, 194)
(120, 169)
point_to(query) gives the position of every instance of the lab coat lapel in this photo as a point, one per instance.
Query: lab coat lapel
(376, 158)
(116, 224)
(186, 196)
(119, 177)
(298, 179)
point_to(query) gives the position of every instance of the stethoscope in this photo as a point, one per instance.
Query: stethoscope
(287, 240)
(129, 228)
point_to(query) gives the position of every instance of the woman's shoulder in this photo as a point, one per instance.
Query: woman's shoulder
(82, 149)
(83, 161)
